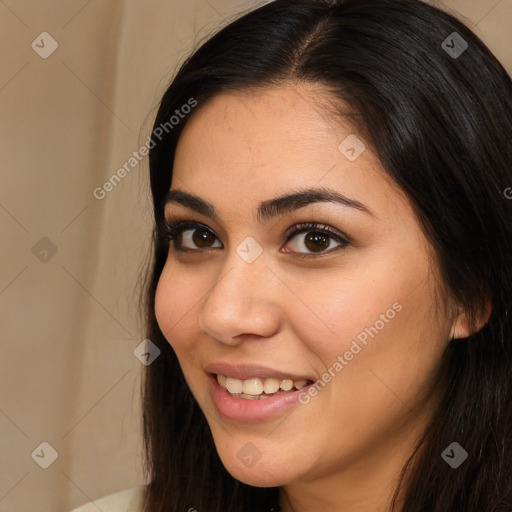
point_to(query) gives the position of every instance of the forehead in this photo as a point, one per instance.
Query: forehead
(289, 112)
(243, 148)
(277, 136)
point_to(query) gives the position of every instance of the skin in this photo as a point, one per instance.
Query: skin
(344, 450)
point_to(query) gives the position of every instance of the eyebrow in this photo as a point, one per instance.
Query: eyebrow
(272, 207)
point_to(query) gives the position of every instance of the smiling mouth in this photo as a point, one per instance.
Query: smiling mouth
(257, 388)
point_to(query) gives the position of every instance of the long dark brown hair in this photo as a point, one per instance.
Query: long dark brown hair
(438, 114)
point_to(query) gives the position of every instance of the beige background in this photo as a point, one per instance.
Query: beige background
(68, 375)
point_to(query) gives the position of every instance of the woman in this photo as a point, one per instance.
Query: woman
(331, 281)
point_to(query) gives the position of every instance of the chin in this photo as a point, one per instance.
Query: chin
(252, 467)
(259, 475)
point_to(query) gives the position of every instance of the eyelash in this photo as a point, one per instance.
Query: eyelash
(169, 231)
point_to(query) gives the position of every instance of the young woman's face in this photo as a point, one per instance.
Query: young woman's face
(349, 306)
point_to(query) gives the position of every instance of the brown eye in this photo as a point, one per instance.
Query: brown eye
(308, 239)
(203, 238)
(196, 238)
(316, 241)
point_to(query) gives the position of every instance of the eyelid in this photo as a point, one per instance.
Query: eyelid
(171, 227)
(178, 226)
(304, 227)
(177, 220)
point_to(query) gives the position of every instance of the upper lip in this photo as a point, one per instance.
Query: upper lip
(251, 371)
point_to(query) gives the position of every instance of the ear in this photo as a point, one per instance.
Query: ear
(461, 326)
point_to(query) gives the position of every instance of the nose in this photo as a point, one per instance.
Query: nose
(242, 304)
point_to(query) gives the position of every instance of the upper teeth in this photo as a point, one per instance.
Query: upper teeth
(257, 386)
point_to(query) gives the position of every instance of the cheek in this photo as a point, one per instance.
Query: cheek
(390, 358)
(174, 301)
(381, 323)
(164, 304)
(335, 312)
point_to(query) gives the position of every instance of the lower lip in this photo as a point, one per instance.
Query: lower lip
(249, 411)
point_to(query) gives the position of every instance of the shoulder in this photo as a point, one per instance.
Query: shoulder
(127, 500)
